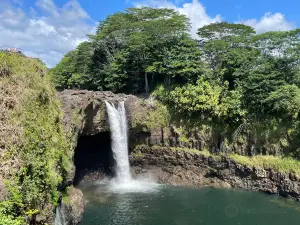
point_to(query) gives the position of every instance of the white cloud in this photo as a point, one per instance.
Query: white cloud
(270, 22)
(195, 11)
(48, 6)
(198, 16)
(48, 36)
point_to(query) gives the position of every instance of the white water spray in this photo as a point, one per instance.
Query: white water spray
(119, 141)
(60, 218)
(123, 182)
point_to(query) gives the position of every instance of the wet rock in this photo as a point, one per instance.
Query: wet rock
(74, 206)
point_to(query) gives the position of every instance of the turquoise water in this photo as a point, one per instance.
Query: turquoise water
(168, 205)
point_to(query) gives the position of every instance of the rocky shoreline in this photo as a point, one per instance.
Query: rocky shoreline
(191, 169)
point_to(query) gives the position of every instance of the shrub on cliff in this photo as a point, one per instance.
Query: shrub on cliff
(34, 149)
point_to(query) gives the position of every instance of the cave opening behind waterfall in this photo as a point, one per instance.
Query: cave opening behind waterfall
(93, 157)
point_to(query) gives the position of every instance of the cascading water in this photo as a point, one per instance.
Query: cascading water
(60, 218)
(119, 141)
(123, 182)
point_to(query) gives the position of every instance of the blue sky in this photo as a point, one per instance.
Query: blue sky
(231, 10)
(48, 29)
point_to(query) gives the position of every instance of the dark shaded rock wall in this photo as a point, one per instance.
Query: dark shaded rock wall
(93, 155)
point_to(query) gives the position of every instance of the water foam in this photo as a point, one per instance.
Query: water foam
(123, 182)
(119, 141)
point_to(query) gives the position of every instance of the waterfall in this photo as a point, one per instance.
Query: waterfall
(60, 218)
(123, 182)
(119, 140)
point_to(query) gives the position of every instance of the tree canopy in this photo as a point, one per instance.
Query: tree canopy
(229, 75)
(127, 49)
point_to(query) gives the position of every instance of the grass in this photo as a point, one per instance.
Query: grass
(282, 164)
(204, 152)
(139, 155)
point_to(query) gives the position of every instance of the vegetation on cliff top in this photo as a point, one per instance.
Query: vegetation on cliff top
(243, 86)
(34, 150)
(285, 165)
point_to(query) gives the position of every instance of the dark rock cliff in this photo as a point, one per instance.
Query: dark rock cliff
(195, 169)
(85, 114)
(85, 110)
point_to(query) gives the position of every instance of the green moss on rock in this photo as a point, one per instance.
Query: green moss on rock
(35, 150)
(149, 114)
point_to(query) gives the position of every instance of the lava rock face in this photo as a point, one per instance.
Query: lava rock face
(74, 206)
(85, 110)
(85, 114)
(192, 169)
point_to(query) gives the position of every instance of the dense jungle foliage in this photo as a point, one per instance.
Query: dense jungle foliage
(35, 151)
(230, 78)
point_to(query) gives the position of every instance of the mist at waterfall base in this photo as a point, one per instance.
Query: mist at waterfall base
(126, 201)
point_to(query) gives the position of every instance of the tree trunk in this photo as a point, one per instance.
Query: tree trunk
(152, 82)
(146, 83)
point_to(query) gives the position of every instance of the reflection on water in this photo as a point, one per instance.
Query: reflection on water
(169, 205)
(286, 203)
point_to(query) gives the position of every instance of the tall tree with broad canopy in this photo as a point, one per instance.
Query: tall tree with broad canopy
(144, 34)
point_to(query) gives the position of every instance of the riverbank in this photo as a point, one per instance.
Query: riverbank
(198, 169)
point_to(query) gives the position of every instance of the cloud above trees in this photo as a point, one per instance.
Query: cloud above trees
(199, 17)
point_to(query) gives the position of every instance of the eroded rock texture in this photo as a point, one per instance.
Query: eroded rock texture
(192, 169)
(86, 109)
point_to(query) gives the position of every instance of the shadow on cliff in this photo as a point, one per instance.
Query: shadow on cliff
(93, 157)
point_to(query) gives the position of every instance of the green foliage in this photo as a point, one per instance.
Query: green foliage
(204, 101)
(232, 80)
(288, 165)
(127, 46)
(139, 155)
(231, 108)
(64, 70)
(224, 30)
(5, 69)
(40, 154)
(44, 146)
(157, 116)
(32, 212)
(202, 98)
(9, 220)
(285, 101)
(181, 62)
